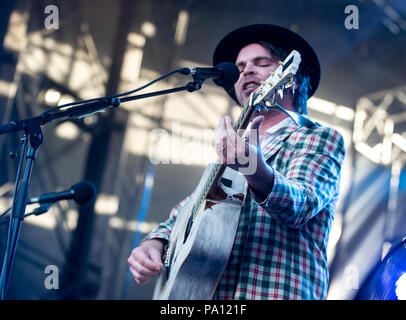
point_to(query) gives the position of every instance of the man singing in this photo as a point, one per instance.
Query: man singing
(280, 247)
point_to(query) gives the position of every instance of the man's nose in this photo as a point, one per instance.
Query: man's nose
(249, 69)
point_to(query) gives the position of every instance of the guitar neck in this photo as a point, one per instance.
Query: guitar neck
(218, 169)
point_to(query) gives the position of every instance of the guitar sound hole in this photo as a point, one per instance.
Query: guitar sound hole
(226, 182)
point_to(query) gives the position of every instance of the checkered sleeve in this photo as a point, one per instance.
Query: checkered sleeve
(311, 179)
(164, 229)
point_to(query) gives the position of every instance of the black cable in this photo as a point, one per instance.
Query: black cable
(36, 211)
(5, 212)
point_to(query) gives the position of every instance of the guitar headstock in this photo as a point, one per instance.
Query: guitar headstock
(278, 80)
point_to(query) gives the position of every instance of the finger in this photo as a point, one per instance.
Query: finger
(236, 145)
(254, 131)
(238, 142)
(221, 139)
(135, 275)
(221, 122)
(257, 121)
(144, 272)
(228, 151)
(141, 256)
(156, 258)
(221, 128)
(230, 132)
(220, 134)
(139, 278)
(131, 260)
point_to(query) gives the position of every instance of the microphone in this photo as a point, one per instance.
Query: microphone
(81, 192)
(224, 74)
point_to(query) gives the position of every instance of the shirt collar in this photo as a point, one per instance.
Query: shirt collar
(280, 126)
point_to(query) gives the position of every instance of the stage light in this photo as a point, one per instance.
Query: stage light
(72, 216)
(52, 97)
(181, 28)
(345, 113)
(399, 141)
(67, 130)
(321, 105)
(65, 99)
(132, 225)
(387, 281)
(136, 39)
(372, 154)
(330, 108)
(7, 89)
(401, 287)
(107, 204)
(90, 120)
(148, 29)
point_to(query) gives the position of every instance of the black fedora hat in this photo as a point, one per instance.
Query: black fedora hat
(228, 48)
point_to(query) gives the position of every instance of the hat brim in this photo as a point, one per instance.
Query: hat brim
(228, 48)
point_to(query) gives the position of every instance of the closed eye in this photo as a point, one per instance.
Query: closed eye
(263, 62)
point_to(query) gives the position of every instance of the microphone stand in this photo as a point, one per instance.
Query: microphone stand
(37, 211)
(32, 140)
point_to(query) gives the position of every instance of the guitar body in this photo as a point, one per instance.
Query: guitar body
(196, 265)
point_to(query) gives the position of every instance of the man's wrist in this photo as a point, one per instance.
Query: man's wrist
(157, 242)
(261, 183)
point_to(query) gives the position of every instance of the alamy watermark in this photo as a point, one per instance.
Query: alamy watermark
(52, 280)
(352, 20)
(169, 147)
(52, 19)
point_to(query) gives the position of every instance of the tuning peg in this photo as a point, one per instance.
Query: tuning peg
(281, 63)
(260, 107)
(288, 84)
(280, 92)
(271, 101)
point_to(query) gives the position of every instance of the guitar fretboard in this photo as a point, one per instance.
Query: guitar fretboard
(240, 124)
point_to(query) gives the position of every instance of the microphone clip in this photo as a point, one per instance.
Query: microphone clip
(44, 207)
(194, 85)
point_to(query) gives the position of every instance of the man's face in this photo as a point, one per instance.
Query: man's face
(255, 63)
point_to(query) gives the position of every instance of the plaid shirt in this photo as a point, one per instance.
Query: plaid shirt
(280, 248)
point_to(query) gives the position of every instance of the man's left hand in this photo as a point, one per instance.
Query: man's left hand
(244, 154)
(239, 153)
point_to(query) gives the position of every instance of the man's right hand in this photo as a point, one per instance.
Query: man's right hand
(145, 261)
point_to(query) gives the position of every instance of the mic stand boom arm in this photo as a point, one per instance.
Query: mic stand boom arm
(33, 139)
(84, 109)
